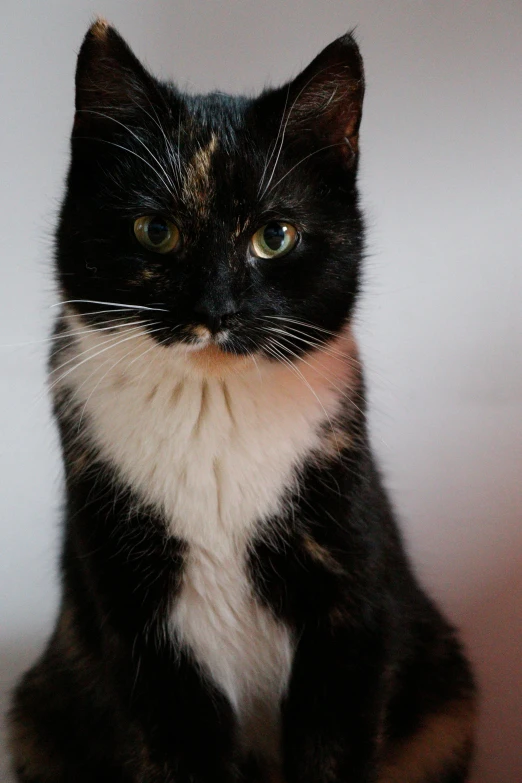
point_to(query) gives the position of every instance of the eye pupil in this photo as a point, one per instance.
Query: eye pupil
(274, 240)
(274, 235)
(157, 231)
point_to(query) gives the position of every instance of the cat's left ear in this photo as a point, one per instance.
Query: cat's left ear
(326, 99)
(111, 83)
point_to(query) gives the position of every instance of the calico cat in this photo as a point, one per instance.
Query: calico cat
(237, 604)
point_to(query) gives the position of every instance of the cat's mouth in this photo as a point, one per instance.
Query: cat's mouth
(213, 353)
(197, 338)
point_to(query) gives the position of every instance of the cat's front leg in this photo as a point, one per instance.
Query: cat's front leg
(333, 716)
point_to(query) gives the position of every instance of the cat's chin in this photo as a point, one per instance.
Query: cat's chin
(215, 361)
(211, 354)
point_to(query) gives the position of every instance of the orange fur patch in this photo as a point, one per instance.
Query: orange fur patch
(201, 332)
(441, 740)
(321, 554)
(215, 363)
(197, 185)
(100, 29)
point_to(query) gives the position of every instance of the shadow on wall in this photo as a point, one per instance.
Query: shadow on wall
(491, 624)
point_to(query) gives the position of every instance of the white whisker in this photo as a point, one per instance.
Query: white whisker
(93, 312)
(168, 182)
(307, 324)
(115, 304)
(292, 366)
(313, 343)
(354, 361)
(345, 393)
(116, 324)
(111, 368)
(93, 356)
(310, 154)
(168, 142)
(161, 342)
(303, 88)
(274, 147)
(125, 149)
(110, 341)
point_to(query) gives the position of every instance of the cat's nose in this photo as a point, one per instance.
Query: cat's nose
(215, 316)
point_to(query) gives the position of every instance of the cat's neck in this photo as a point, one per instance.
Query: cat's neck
(216, 451)
(116, 357)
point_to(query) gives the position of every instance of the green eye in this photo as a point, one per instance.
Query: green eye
(156, 234)
(274, 240)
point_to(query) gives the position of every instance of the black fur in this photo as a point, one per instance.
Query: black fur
(113, 699)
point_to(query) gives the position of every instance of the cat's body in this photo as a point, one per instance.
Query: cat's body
(237, 604)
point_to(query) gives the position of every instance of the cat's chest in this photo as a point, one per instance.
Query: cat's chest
(216, 457)
(219, 459)
(240, 646)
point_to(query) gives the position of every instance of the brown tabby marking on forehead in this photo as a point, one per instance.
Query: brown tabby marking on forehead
(444, 740)
(197, 186)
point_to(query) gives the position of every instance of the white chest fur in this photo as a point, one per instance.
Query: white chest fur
(216, 456)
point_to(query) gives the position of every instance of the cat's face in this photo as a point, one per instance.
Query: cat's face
(224, 221)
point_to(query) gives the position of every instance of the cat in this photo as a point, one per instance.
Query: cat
(237, 604)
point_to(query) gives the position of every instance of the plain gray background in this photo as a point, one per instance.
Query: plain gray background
(440, 323)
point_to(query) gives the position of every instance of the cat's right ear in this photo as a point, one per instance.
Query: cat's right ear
(111, 83)
(321, 108)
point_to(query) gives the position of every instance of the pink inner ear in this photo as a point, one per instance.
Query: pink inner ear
(329, 95)
(352, 121)
(331, 109)
(342, 115)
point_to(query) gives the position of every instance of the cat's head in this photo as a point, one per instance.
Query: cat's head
(224, 222)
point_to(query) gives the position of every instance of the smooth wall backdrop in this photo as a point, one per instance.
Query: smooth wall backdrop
(440, 324)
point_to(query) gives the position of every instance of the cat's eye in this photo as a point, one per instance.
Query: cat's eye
(156, 233)
(274, 240)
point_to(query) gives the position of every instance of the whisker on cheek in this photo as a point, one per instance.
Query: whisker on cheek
(108, 344)
(110, 370)
(111, 304)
